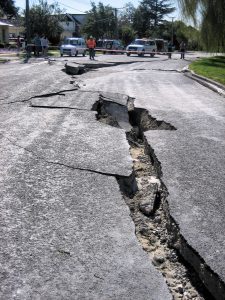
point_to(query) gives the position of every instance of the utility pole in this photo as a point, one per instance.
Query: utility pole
(27, 16)
(116, 18)
(172, 30)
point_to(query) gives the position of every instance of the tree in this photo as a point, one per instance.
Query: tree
(7, 7)
(141, 22)
(101, 21)
(126, 16)
(45, 19)
(126, 34)
(212, 22)
(125, 23)
(187, 33)
(149, 16)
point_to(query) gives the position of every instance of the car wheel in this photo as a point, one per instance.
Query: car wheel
(128, 54)
(61, 55)
(84, 53)
(76, 53)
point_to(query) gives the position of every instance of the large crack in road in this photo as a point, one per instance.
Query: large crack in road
(157, 232)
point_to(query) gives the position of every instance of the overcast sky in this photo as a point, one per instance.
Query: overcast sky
(81, 6)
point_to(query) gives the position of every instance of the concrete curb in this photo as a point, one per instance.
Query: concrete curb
(209, 83)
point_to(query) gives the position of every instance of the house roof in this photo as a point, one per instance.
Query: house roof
(78, 18)
(13, 22)
(5, 24)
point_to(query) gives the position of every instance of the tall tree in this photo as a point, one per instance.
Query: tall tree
(142, 21)
(101, 21)
(8, 8)
(212, 24)
(45, 19)
(125, 23)
(150, 15)
(126, 16)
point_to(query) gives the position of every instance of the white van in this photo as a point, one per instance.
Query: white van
(73, 46)
(142, 47)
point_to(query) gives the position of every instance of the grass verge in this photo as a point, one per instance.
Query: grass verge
(53, 53)
(212, 68)
(2, 60)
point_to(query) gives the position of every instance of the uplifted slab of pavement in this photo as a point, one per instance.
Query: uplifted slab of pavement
(67, 234)
(71, 138)
(75, 99)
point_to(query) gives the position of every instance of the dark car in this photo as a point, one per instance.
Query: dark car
(110, 46)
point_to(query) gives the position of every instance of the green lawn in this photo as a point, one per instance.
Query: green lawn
(212, 68)
(2, 60)
(53, 53)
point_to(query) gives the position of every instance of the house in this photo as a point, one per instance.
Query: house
(71, 24)
(4, 32)
(12, 28)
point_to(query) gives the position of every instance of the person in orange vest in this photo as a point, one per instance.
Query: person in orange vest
(91, 44)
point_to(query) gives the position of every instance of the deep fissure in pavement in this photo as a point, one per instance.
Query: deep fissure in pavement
(146, 195)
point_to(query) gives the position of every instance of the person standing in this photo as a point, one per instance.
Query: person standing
(37, 45)
(170, 49)
(44, 45)
(182, 49)
(18, 44)
(91, 44)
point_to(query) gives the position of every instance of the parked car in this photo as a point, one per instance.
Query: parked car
(111, 46)
(73, 46)
(142, 47)
(162, 45)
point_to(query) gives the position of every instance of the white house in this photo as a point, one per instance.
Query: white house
(4, 32)
(71, 24)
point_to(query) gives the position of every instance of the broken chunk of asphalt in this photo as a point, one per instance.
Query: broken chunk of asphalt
(151, 203)
(156, 230)
(63, 135)
(74, 69)
(196, 210)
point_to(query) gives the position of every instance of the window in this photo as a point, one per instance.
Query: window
(139, 42)
(74, 42)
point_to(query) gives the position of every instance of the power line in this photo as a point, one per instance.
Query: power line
(72, 7)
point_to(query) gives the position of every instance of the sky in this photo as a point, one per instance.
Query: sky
(81, 6)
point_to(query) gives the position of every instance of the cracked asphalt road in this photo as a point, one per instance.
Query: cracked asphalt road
(192, 157)
(65, 229)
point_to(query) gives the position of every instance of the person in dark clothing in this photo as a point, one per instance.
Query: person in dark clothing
(170, 48)
(182, 49)
(37, 45)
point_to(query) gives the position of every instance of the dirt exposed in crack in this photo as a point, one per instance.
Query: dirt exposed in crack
(149, 209)
(151, 221)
